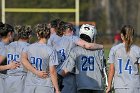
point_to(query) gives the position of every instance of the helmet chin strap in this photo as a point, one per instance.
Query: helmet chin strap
(94, 39)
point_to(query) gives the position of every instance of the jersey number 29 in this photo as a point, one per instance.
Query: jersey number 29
(87, 63)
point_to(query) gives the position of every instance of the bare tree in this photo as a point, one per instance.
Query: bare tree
(138, 19)
(108, 16)
(90, 10)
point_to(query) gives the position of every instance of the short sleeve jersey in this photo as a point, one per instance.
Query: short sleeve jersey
(3, 53)
(88, 64)
(53, 40)
(126, 66)
(13, 53)
(65, 44)
(40, 56)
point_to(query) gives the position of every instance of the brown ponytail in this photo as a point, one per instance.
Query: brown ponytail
(57, 24)
(128, 33)
(42, 30)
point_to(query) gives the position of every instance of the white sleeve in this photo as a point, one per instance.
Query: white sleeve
(139, 57)
(25, 49)
(75, 39)
(69, 63)
(111, 58)
(50, 40)
(3, 51)
(53, 59)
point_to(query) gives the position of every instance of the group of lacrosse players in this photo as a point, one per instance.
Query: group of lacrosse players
(61, 62)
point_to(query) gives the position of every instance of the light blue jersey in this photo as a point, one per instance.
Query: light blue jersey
(126, 66)
(41, 56)
(53, 40)
(2, 48)
(63, 48)
(88, 66)
(2, 73)
(15, 77)
(13, 52)
(3, 53)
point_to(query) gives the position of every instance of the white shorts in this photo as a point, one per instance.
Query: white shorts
(15, 84)
(38, 89)
(2, 85)
(127, 90)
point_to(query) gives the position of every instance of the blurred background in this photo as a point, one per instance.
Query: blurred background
(108, 15)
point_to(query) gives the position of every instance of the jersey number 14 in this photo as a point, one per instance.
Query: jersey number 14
(128, 67)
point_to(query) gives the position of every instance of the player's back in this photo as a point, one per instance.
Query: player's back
(54, 38)
(126, 66)
(13, 52)
(2, 53)
(39, 55)
(2, 48)
(63, 48)
(89, 64)
(2, 44)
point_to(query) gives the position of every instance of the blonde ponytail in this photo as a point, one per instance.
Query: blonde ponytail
(128, 33)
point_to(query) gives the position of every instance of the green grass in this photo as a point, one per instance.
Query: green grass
(106, 51)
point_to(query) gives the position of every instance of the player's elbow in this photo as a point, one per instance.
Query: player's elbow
(52, 70)
(87, 46)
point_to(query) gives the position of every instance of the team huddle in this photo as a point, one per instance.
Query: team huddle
(61, 62)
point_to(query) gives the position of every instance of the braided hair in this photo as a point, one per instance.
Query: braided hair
(5, 29)
(55, 23)
(67, 25)
(42, 30)
(23, 32)
(60, 28)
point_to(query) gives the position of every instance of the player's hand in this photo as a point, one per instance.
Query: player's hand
(100, 46)
(13, 65)
(97, 46)
(57, 91)
(108, 89)
(42, 74)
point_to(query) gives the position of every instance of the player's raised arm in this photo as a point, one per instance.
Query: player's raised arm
(85, 64)
(89, 29)
(87, 45)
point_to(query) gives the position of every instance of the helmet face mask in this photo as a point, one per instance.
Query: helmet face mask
(88, 30)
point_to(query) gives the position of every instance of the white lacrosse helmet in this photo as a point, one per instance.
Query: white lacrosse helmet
(89, 30)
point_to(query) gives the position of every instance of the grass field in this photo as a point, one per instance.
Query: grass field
(106, 50)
